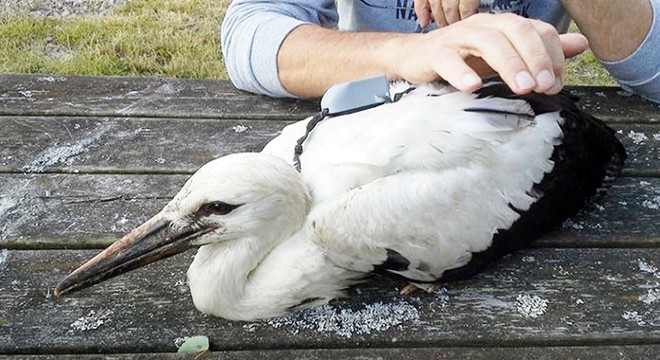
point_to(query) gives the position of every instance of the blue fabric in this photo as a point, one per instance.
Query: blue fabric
(640, 72)
(253, 31)
(399, 15)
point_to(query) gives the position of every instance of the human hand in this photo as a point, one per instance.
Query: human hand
(527, 54)
(444, 12)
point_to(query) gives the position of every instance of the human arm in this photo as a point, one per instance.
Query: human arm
(614, 28)
(527, 54)
(444, 12)
(625, 36)
(252, 32)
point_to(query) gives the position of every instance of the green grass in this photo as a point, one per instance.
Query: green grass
(585, 69)
(168, 38)
(165, 38)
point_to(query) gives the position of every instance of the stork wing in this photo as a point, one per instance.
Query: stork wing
(428, 128)
(419, 223)
(415, 187)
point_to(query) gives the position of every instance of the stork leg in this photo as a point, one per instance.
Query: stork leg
(410, 288)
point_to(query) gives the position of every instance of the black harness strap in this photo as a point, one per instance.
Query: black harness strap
(318, 117)
(297, 151)
(399, 95)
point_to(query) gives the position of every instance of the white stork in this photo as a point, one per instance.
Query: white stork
(430, 188)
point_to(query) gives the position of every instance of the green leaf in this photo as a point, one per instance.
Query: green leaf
(194, 345)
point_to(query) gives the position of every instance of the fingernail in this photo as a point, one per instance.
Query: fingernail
(557, 86)
(545, 79)
(471, 80)
(524, 80)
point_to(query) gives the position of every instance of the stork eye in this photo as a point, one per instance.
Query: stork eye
(218, 208)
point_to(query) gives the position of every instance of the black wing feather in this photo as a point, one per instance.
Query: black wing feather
(587, 161)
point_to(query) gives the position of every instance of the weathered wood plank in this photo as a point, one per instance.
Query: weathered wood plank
(540, 297)
(642, 144)
(139, 97)
(638, 352)
(137, 145)
(85, 144)
(123, 127)
(91, 211)
(628, 214)
(615, 105)
(78, 211)
(152, 97)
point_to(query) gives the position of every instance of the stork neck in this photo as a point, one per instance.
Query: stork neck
(219, 274)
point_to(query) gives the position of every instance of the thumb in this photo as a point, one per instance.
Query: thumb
(573, 44)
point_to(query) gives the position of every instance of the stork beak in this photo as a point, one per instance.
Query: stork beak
(152, 241)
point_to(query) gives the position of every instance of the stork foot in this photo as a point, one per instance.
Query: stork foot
(430, 288)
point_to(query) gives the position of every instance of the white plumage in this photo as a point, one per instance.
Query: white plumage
(413, 188)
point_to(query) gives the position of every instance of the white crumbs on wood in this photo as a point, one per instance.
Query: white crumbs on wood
(167, 88)
(180, 340)
(59, 154)
(240, 128)
(92, 321)
(650, 297)
(51, 79)
(637, 138)
(181, 285)
(528, 259)
(531, 306)
(648, 268)
(441, 298)
(30, 93)
(570, 224)
(634, 316)
(250, 327)
(347, 322)
(4, 255)
(652, 203)
(624, 93)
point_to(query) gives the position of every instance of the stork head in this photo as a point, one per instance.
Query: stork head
(230, 198)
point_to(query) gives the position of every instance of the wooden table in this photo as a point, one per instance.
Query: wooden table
(84, 159)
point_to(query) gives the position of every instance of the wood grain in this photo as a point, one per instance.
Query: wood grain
(539, 297)
(85, 159)
(79, 211)
(154, 97)
(637, 352)
(175, 146)
(139, 97)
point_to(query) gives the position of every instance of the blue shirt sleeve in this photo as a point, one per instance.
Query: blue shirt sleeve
(640, 71)
(252, 33)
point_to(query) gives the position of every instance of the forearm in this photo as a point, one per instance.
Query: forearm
(615, 28)
(625, 35)
(252, 32)
(313, 58)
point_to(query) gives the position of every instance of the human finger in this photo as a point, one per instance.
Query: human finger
(454, 69)
(531, 53)
(493, 46)
(573, 44)
(423, 12)
(558, 85)
(438, 12)
(467, 8)
(450, 9)
(539, 47)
